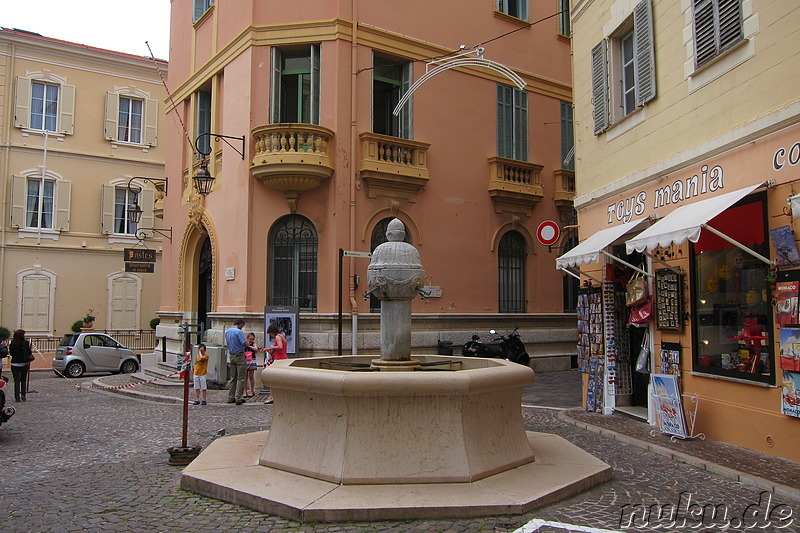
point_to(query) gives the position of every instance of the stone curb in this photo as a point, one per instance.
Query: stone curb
(98, 382)
(760, 483)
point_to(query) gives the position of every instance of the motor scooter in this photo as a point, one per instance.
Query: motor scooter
(6, 411)
(510, 348)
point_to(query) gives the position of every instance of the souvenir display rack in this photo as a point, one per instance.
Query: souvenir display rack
(670, 358)
(669, 306)
(590, 326)
(691, 416)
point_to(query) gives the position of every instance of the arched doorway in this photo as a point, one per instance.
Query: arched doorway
(511, 273)
(205, 271)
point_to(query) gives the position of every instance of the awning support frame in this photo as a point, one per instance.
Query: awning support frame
(739, 245)
(659, 261)
(578, 275)
(618, 260)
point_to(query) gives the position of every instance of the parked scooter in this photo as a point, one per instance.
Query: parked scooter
(6, 412)
(510, 348)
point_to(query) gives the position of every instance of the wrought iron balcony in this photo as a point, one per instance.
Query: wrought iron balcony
(292, 158)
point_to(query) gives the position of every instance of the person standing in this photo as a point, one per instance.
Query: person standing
(21, 357)
(276, 351)
(237, 366)
(251, 349)
(200, 370)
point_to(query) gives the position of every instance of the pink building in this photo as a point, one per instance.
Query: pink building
(472, 165)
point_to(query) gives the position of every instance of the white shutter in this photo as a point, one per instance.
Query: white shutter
(150, 122)
(107, 205)
(146, 202)
(600, 86)
(62, 199)
(22, 103)
(111, 128)
(124, 298)
(19, 201)
(275, 88)
(645, 53)
(36, 303)
(66, 122)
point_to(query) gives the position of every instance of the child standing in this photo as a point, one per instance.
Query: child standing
(200, 369)
(250, 351)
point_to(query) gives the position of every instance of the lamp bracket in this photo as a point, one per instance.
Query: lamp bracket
(158, 182)
(141, 233)
(217, 137)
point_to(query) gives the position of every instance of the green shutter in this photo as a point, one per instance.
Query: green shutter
(275, 88)
(520, 125)
(505, 134)
(315, 74)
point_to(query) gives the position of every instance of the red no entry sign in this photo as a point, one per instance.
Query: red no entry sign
(548, 232)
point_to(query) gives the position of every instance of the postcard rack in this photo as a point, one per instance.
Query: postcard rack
(690, 410)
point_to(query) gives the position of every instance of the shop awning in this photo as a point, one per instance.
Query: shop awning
(686, 223)
(589, 250)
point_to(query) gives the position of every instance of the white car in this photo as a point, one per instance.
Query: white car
(93, 352)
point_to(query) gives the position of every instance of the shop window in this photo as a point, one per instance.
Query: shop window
(731, 297)
(511, 273)
(293, 263)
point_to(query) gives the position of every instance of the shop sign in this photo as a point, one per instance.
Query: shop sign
(141, 255)
(708, 180)
(783, 156)
(140, 268)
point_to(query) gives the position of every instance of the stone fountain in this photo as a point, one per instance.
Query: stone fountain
(365, 438)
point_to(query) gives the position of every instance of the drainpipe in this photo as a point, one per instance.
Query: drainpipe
(353, 174)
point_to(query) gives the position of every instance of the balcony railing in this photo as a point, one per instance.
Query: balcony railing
(137, 340)
(565, 187)
(292, 158)
(394, 167)
(515, 186)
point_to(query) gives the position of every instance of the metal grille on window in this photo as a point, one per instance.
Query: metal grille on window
(511, 273)
(294, 263)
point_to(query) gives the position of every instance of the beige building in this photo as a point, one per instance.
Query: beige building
(318, 163)
(77, 124)
(686, 109)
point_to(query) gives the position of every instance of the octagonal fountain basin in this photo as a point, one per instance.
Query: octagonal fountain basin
(347, 443)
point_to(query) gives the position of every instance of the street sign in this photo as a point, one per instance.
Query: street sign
(141, 255)
(356, 254)
(548, 232)
(140, 268)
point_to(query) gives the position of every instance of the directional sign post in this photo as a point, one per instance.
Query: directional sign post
(346, 253)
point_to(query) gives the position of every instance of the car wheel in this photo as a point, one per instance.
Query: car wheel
(129, 367)
(74, 370)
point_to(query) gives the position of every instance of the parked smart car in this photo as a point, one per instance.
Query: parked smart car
(93, 352)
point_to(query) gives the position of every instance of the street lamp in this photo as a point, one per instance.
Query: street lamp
(134, 211)
(203, 179)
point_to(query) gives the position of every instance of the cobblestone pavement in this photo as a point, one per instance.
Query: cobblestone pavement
(94, 461)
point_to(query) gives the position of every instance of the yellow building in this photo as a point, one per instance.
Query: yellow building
(315, 162)
(77, 124)
(687, 126)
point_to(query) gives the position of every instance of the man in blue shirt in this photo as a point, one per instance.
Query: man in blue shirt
(237, 366)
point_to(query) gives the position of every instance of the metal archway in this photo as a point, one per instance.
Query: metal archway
(460, 60)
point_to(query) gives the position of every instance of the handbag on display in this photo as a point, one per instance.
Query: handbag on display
(641, 314)
(636, 291)
(643, 361)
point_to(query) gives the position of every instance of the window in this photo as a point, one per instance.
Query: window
(515, 8)
(390, 81)
(717, 27)
(44, 102)
(131, 119)
(567, 137)
(203, 121)
(564, 27)
(293, 263)
(633, 69)
(124, 293)
(512, 123)
(115, 201)
(511, 273)
(41, 203)
(295, 86)
(36, 287)
(200, 7)
(731, 298)
(44, 106)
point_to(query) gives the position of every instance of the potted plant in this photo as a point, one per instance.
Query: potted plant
(76, 326)
(155, 322)
(88, 319)
(5, 333)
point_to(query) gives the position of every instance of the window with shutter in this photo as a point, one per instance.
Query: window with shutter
(514, 8)
(717, 27)
(294, 96)
(200, 8)
(390, 80)
(600, 86)
(567, 137)
(512, 123)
